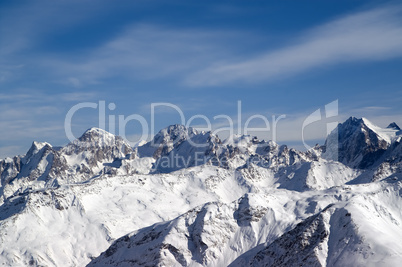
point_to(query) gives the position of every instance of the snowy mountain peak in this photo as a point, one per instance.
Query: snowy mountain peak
(393, 126)
(357, 143)
(36, 147)
(387, 134)
(95, 133)
(176, 132)
(353, 119)
(166, 139)
(95, 138)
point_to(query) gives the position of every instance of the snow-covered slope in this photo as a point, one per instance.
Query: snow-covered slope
(362, 229)
(241, 201)
(277, 228)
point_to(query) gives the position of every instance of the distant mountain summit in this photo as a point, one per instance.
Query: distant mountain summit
(166, 140)
(358, 143)
(393, 126)
(88, 156)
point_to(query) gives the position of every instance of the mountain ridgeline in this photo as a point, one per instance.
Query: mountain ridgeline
(188, 198)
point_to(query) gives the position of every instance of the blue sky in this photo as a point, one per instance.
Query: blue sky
(276, 57)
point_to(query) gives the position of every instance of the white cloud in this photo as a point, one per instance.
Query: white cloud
(143, 52)
(365, 36)
(200, 57)
(196, 57)
(34, 115)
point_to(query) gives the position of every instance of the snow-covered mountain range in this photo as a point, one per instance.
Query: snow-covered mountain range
(188, 198)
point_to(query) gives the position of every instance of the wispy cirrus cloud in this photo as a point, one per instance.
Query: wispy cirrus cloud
(139, 61)
(32, 114)
(365, 36)
(144, 52)
(207, 57)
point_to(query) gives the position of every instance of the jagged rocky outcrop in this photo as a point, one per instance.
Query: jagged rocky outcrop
(199, 149)
(178, 147)
(393, 126)
(358, 143)
(166, 140)
(94, 153)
